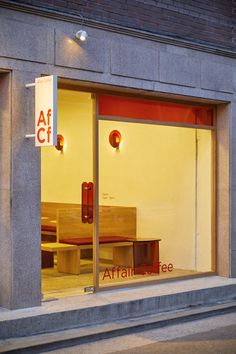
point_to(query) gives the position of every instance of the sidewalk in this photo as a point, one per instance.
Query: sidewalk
(100, 308)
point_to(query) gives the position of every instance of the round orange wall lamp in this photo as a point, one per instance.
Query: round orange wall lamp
(115, 139)
(60, 142)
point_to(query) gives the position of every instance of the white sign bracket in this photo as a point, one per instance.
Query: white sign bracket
(30, 85)
(30, 136)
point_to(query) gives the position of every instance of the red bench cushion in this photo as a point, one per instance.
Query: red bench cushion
(89, 240)
(52, 228)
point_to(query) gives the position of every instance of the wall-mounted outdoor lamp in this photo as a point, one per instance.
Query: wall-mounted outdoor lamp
(60, 142)
(81, 35)
(115, 139)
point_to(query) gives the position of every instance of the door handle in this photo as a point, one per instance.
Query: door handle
(87, 202)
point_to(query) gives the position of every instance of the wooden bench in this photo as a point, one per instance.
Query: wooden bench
(117, 229)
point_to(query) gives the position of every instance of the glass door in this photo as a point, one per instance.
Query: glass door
(67, 181)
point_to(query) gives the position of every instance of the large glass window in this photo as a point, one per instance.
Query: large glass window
(160, 179)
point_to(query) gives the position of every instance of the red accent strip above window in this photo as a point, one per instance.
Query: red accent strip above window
(125, 107)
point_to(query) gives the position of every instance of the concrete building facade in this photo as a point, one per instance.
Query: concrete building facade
(141, 48)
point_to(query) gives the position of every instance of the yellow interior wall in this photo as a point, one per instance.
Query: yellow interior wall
(166, 173)
(204, 200)
(62, 173)
(155, 172)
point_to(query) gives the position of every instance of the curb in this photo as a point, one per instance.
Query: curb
(68, 319)
(74, 337)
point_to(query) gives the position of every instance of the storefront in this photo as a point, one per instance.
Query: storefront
(140, 189)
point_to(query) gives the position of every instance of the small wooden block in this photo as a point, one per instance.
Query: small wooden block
(69, 262)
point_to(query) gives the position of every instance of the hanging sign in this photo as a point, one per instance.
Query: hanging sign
(46, 111)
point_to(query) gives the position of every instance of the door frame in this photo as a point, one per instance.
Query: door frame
(212, 128)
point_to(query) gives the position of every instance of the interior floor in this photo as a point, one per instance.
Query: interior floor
(57, 285)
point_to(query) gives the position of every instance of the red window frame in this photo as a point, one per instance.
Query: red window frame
(132, 108)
